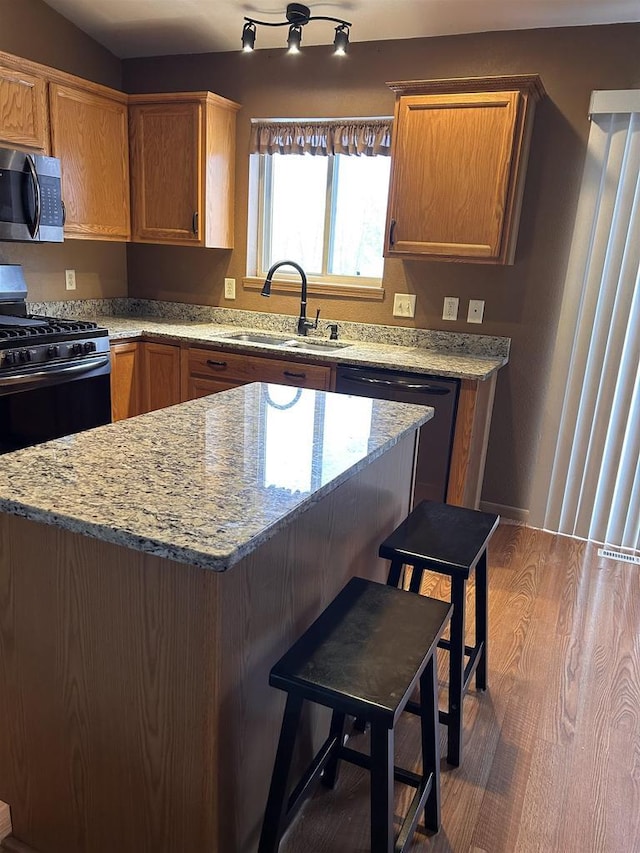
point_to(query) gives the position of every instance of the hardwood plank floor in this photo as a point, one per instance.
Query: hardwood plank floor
(552, 751)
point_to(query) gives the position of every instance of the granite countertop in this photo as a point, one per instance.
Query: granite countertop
(417, 358)
(207, 481)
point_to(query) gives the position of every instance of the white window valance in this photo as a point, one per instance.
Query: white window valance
(364, 136)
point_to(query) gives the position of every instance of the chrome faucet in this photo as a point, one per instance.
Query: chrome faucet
(303, 324)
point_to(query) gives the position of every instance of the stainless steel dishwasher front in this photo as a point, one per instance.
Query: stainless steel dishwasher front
(436, 436)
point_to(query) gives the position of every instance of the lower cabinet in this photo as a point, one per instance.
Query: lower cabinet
(208, 371)
(147, 375)
(160, 376)
(144, 376)
(126, 383)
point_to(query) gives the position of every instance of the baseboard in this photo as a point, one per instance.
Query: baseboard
(12, 845)
(508, 514)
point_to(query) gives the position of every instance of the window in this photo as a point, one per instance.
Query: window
(319, 205)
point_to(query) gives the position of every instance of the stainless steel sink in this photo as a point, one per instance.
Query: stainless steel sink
(251, 338)
(313, 345)
(308, 344)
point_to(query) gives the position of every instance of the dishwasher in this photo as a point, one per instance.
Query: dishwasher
(436, 436)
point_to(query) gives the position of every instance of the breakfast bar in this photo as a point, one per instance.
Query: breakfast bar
(151, 573)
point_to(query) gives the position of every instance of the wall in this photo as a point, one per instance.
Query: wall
(522, 301)
(31, 29)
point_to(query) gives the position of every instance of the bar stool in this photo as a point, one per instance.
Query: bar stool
(449, 540)
(363, 657)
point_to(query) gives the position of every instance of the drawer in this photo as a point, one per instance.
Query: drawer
(234, 367)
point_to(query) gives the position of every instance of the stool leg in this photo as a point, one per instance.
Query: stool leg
(482, 619)
(430, 752)
(456, 671)
(395, 571)
(416, 579)
(330, 775)
(382, 840)
(275, 811)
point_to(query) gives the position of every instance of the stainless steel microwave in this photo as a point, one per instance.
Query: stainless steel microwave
(31, 207)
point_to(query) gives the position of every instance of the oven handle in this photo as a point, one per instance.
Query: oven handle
(33, 229)
(41, 376)
(427, 388)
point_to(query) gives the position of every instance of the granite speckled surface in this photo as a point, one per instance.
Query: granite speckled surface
(204, 482)
(438, 353)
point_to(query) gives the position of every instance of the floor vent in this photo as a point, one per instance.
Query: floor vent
(618, 555)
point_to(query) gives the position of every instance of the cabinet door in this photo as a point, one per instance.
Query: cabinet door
(125, 381)
(89, 135)
(451, 170)
(23, 110)
(160, 376)
(199, 386)
(166, 172)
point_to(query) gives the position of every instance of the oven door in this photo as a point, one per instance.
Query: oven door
(37, 406)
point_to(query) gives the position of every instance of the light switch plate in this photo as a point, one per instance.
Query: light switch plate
(450, 308)
(476, 311)
(404, 305)
(70, 279)
(229, 288)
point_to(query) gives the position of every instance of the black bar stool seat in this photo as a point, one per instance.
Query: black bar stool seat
(449, 540)
(363, 657)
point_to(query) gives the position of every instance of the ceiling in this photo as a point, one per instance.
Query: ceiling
(131, 28)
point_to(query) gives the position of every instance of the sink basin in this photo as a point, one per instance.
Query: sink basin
(314, 345)
(251, 338)
(308, 344)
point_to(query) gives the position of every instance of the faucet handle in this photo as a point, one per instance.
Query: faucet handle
(315, 325)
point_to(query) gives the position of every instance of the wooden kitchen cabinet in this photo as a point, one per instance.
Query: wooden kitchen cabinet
(89, 133)
(459, 156)
(207, 371)
(160, 375)
(24, 119)
(126, 380)
(183, 168)
(144, 376)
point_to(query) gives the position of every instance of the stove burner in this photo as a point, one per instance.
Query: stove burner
(33, 326)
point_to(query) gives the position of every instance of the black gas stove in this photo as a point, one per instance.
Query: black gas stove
(32, 340)
(54, 373)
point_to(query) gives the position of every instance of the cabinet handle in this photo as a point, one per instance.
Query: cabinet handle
(293, 375)
(64, 213)
(213, 363)
(392, 232)
(194, 223)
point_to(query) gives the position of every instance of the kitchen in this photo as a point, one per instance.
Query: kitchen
(522, 300)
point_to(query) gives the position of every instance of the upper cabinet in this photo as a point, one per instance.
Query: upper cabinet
(89, 134)
(182, 168)
(23, 110)
(459, 156)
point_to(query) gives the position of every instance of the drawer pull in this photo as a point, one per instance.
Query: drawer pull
(213, 363)
(293, 375)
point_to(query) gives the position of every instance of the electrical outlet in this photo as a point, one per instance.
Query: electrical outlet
(404, 305)
(450, 308)
(476, 311)
(229, 288)
(70, 279)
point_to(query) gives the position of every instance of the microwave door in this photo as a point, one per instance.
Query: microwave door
(33, 201)
(19, 197)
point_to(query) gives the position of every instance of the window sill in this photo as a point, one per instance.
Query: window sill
(372, 292)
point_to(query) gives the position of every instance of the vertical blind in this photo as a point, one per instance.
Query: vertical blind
(592, 487)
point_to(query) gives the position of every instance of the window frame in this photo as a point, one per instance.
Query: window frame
(260, 183)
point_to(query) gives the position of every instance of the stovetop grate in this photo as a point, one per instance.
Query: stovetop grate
(34, 325)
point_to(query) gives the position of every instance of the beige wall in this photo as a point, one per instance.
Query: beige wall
(522, 301)
(31, 29)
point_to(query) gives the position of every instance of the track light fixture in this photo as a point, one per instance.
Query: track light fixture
(297, 17)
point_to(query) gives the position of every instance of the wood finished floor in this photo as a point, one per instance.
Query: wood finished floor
(552, 751)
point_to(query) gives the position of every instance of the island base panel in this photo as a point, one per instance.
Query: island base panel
(134, 690)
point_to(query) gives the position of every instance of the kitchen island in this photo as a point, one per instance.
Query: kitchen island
(151, 572)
